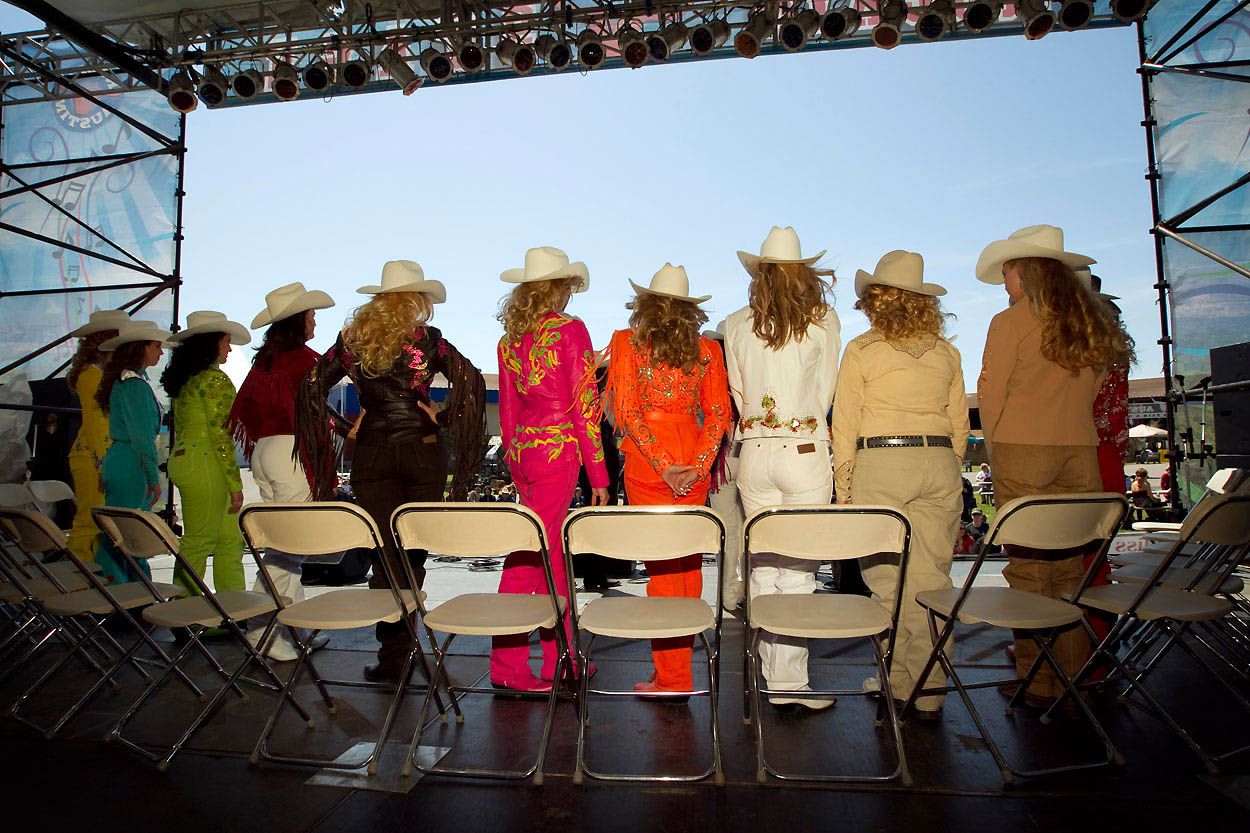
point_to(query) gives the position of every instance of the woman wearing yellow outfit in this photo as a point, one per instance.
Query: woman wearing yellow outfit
(92, 441)
(202, 464)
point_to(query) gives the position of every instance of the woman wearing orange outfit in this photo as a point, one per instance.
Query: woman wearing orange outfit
(663, 376)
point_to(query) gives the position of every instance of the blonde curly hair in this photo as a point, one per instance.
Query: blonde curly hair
(376, 332)
(668, 328)
(524, 308)
(88, 353)
(1078, 329)
(786, 299)
(900, 314)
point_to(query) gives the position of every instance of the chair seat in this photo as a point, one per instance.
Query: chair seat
(130, 595)
(818, 616)
(648, 617)
(1162, 603)
(42, 589)
(196, 610)
(1156, 526)
(346, 609)
(1176, 578)
(60, 568)
(493, 614)
(1002, 607)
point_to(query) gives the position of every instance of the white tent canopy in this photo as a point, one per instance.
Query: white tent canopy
(1146, 432)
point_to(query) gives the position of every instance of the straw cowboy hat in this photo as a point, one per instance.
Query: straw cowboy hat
(780, 246)
(289, 300)
(406, 276)
(1032, 241)
(900, 269)
(136, 330)
(209, 321)
(546, 263)
(101, 320)
(1094, 284)
(670, 282)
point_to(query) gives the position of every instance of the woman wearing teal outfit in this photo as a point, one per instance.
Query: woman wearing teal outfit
(202, 463)
(131, 479)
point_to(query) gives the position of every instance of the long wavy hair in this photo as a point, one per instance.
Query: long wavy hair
(376, 332)
(195, 355)
(668, 328)
(87, 354)
(1078, 330)
(786, 299)
(524, 308)
(899, 314)
(289, 333)
(128, 356)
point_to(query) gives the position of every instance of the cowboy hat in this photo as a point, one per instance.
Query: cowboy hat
(101, 320)
(780, 246)
(208, 321)
(546, 263)
(1031, 241)
(899, 269)
(1094, 284)
(289, 300)
(670, 282)
(136, 330)
(406, 276)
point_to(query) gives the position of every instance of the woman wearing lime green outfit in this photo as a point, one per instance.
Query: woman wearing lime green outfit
(202, 464)
(87, 453)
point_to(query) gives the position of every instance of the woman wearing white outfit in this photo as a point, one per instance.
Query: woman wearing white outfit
(782, 355)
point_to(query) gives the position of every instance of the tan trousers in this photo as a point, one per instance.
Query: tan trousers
(1023, 470)
(924, 484)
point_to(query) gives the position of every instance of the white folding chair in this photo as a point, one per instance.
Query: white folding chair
(470, 530)
(646, 533)
(825, 533)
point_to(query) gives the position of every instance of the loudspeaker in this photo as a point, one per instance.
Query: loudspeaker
(1232, 409)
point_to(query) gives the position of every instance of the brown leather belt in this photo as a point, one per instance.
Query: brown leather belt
(903, 441)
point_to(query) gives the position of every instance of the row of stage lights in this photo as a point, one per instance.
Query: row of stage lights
(932, 22)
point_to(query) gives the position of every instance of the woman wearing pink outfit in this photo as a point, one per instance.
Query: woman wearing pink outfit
(546, 418)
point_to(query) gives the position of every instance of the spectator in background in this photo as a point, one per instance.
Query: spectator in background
(977, 527)
(970, 501)
(984, 480)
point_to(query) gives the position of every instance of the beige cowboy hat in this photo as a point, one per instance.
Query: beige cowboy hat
(670, 282)
(1094, 284)
(1031, 241)
(406, 276)
(900, 269)
(780, 246)
(101, 320)
(136, 330)
(289, 300)
(546, 263)
(209, 321)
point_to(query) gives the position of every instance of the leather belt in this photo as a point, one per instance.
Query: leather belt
(903, 441)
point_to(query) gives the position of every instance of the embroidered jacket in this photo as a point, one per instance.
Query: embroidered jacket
(202, 414)
(135, 420)
(93, 436)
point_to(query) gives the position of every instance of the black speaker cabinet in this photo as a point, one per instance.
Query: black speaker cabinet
(1232, 409)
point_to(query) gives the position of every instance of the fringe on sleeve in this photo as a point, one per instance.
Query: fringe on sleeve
(465, 421)
(315, 445)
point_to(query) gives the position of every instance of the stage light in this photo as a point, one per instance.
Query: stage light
(554, 51)
(891, 14)
(182, 93)
(633, 48)
(285, 81)
(436, 63)
(519, 56)
(247, 84)
(706, 37)
(1130, 10)
(666, 41)
(1036, 16)
(354, 74)
(794, 31)
(471, 57)
(398, 69)
(752, 36)
(213, 87)
(935, 20)
(981, 15)
(1075, 14)
(318, 76)
(589, 49)
(840, 23)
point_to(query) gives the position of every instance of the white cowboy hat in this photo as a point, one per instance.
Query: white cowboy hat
(1088, 278)
(208, 321)
(1031, 241)
(900, 269)
(406, 276)
(670, 282)
(780, 246)
(101, 320)
(546, 263)
(136, 330)
(289, 300)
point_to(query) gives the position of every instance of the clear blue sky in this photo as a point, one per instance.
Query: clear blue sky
(938, 148)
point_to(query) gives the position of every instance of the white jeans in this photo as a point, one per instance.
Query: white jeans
(280, 480)
(775, 472)
(728, 506)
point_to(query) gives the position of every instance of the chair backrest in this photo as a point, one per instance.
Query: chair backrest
(646, 533)
(822, 532)
(1222, 520)
(313, 528)
(468, 529)
(136, 533)
(15, 495)
(1057, 522)
(33, 532)
(50, 491)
